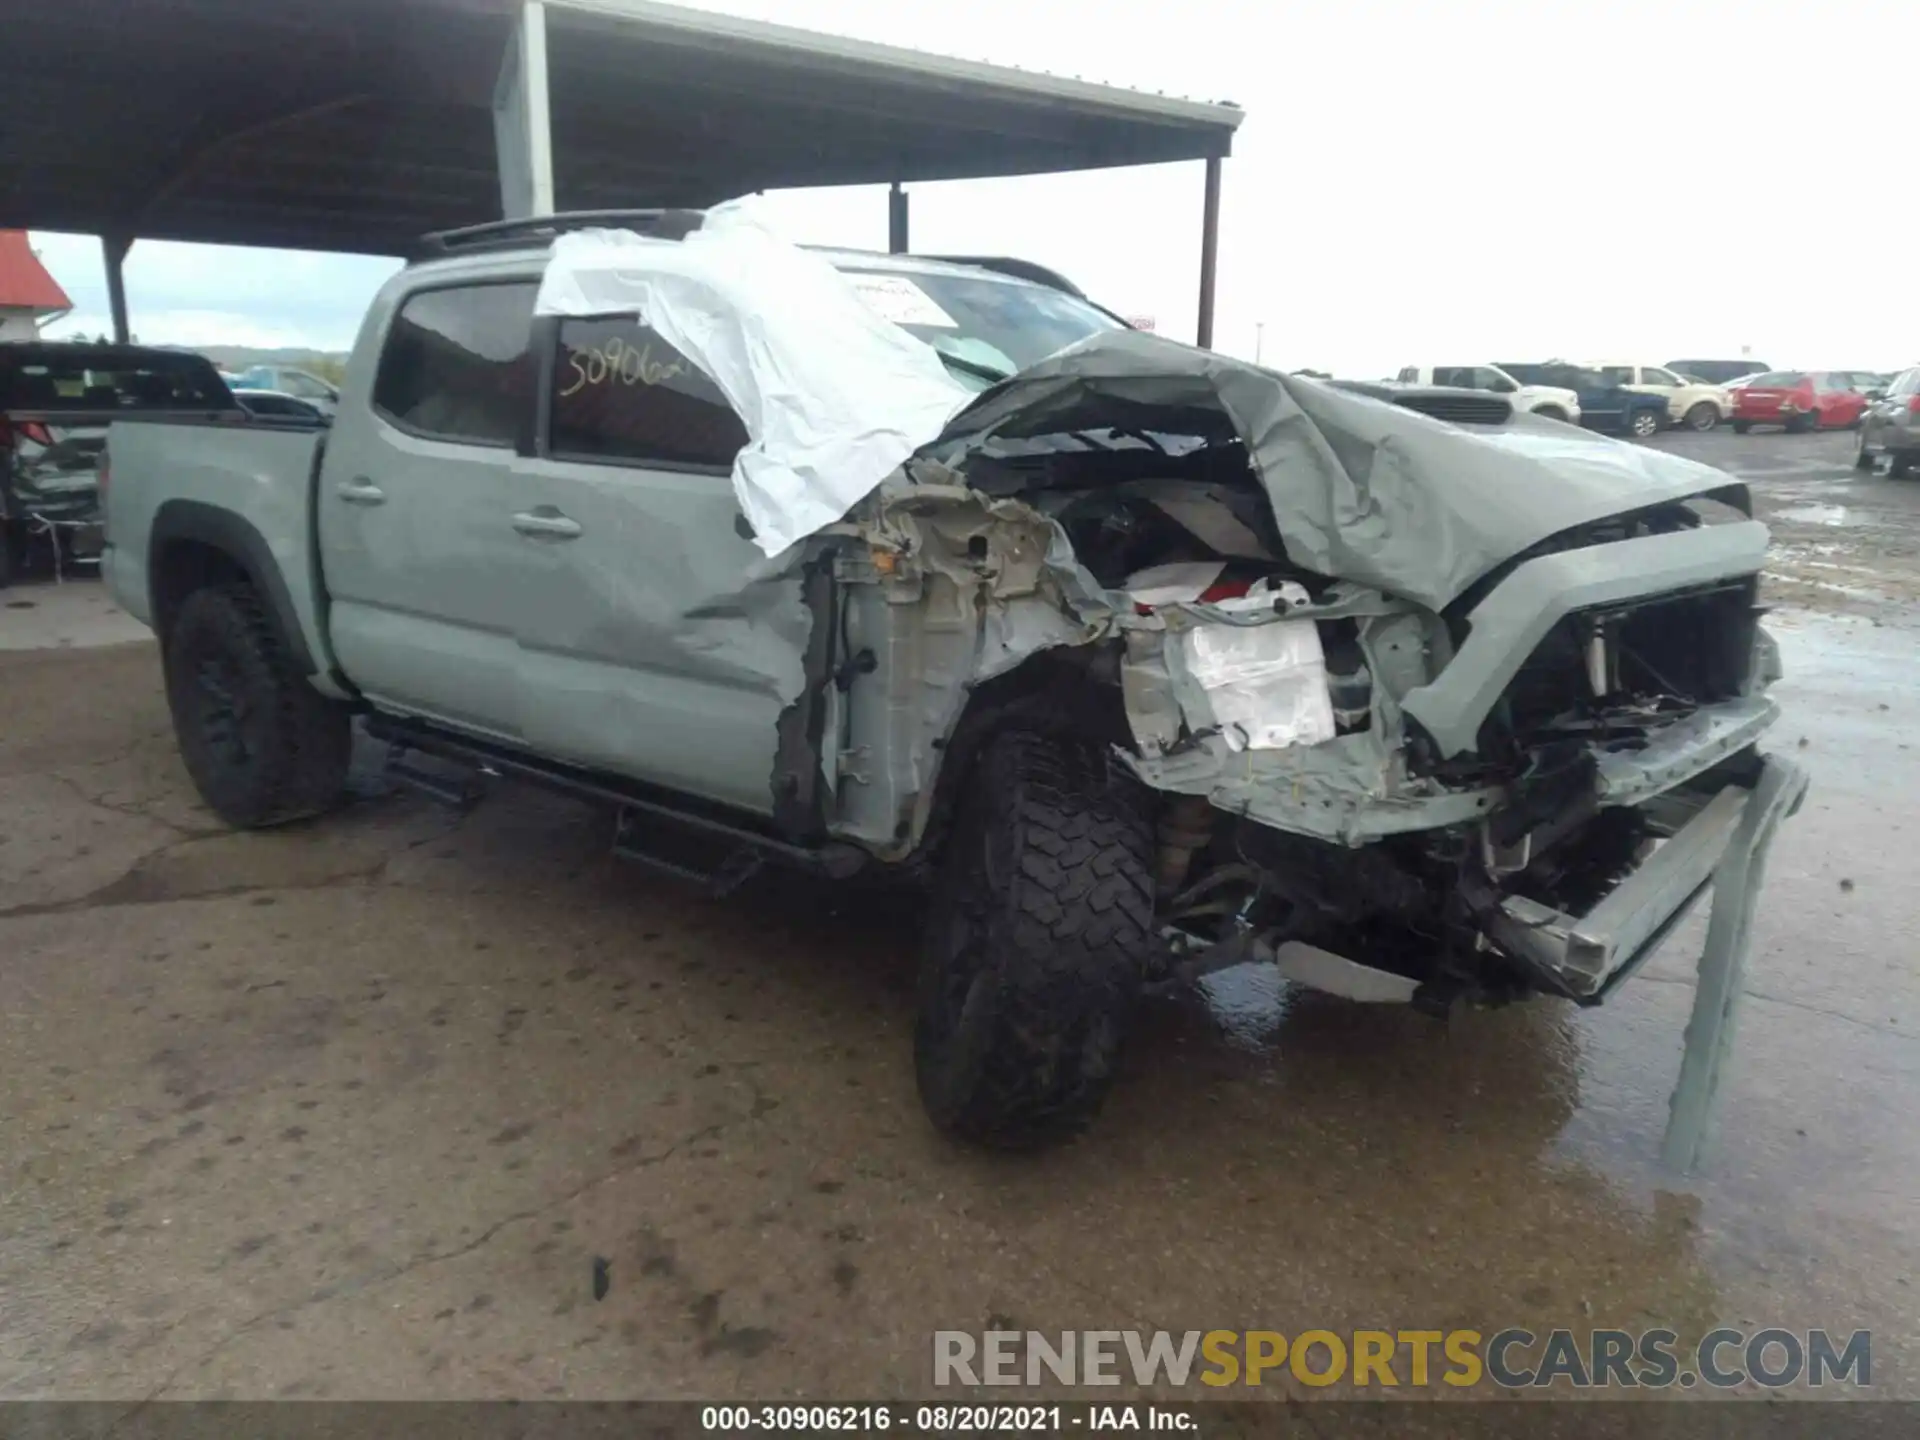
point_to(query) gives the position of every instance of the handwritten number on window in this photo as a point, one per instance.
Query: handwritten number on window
(616, 360)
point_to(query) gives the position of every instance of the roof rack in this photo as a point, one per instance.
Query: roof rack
(1019, 269)
(512, 234)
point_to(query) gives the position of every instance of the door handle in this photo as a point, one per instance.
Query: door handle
(361, 491)
(546, 523)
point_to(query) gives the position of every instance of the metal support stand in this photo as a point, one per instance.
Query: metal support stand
(1209, 251)
(523, 120)
(1723, 962)
(114, 251)
(897, 220)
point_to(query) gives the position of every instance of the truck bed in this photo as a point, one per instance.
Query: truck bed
(247, 483)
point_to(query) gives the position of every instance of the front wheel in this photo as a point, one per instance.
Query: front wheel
(1644, 424)
(262, 745)
(1551, 412)
(1702, 416)
(1040, 933)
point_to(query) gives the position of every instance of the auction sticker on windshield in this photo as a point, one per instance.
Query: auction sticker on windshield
(896, 298)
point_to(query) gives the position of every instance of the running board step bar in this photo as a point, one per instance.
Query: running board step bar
(461, 788)
(748, 849)
(740, 865)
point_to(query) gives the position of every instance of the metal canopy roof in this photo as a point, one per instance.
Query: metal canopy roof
(360, 124)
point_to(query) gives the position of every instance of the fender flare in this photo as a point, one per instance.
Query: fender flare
(236, 538)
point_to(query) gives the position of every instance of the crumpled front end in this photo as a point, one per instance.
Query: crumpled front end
(1400, 776)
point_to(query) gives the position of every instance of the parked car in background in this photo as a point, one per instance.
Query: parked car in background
(56, 400)
(1552, 401)
(1891, 427)
(1798, 400)
(301, 384)
(1870, 382)
(1603, 404)
(1695, 404)
(271, 404)
(1717, 372)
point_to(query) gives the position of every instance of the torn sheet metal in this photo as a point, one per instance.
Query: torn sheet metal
(1360, 490)
(757, 315)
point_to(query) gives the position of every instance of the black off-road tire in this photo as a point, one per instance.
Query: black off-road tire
(1040, 933)
(262, 745)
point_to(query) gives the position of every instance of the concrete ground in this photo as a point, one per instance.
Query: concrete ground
(353, 1109)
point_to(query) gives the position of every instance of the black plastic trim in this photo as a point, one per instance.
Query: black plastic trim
(236, 538)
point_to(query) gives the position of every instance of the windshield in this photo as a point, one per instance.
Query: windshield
(985, 328)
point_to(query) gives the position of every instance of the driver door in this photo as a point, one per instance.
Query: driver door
(656, 641)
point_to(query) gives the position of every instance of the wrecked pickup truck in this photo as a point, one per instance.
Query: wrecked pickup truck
(1147, 661)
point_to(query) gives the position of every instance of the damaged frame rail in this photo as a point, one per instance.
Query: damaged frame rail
(1723, 845)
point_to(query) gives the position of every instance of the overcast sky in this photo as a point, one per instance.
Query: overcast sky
(1439, 183)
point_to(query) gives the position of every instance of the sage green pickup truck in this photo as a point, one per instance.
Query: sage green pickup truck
(1145, 661)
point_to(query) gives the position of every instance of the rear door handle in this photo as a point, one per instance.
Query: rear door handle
(361, 491)
(546, 523)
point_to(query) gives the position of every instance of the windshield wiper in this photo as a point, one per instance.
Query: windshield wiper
(988, 373)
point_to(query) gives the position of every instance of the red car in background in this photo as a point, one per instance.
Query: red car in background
(1797, 400)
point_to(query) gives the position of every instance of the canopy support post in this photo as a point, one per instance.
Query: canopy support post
(897, 220)
(113, 249)
(1209, 250)
(523, 119)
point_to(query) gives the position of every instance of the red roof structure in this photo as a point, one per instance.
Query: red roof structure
(24, 281)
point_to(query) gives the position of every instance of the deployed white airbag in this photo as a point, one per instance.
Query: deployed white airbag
(833, 396)
(1267, 684)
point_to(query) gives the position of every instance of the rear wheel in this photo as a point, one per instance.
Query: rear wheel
(262, 745)
(1704, 415)
(1644, 424)
(1040, 933)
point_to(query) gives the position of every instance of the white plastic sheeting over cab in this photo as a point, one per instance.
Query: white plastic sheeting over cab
(833, 396)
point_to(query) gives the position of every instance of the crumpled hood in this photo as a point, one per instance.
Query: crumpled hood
(1361, 490)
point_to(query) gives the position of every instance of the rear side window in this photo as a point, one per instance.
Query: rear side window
(457, 363)
(622, 393)
(1778, 380)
